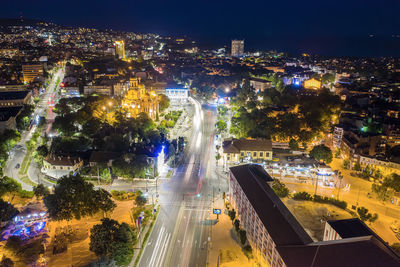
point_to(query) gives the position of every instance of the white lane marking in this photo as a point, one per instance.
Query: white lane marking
(153, 256)
(163, 251)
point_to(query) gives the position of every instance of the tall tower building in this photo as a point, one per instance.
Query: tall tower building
(120, 49)
(237, 48)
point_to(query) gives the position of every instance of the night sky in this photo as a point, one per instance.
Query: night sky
(326, 27)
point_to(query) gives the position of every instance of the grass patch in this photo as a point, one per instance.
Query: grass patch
(146, 237)
(25, 163)
(25, 179)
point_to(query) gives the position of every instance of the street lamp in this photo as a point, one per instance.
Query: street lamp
(227, 90)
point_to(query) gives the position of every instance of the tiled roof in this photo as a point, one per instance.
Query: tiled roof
(62, 160)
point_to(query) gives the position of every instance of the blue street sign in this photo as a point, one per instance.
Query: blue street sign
(216, 211)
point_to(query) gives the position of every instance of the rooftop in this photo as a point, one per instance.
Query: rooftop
(277, 219)
(13, 95)
(355, 252)
(6, 113)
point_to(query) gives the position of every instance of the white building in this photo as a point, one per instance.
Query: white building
(177, 95)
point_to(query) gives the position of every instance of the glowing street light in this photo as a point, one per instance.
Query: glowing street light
(227, 90)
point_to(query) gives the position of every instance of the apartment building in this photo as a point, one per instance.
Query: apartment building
(279, 240)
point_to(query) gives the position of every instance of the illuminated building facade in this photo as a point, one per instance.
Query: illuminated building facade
(120, 49)
(312, 84)
(30, 72)
(138, 100)
(237, 48)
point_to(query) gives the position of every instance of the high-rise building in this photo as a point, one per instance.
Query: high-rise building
(120, 49)
(30, 72)
(237, 48)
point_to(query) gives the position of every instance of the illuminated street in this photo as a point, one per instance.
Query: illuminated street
(181, 234)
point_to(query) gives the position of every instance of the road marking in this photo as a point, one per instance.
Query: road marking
(163, 251)
(174, 236)
(158, 242)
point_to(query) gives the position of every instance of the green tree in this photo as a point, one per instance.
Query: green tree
(112, 240)
(140, 200)
(7, 211)
(243, 237)
(232, 214)
(364, 214)
(221, 126)
(237, 225)
(40, 191)
(322, 152)
(357, 167)
(163, 102)
(280, 188)
(73, 197)
(293, 144)
(217, 157)
(9, 185)
(392, 181)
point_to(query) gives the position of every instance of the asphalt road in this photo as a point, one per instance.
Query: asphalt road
(18, 153)
(182, 233)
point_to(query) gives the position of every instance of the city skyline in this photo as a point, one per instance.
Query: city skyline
(357, 28)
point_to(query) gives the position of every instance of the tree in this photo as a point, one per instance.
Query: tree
(40, 191)
(140, 200)
(357, 167)
(243, 237)
(221, 126)
(322, 152)
(112, 240)
(217, 157)
(9, 185)
(392, 181)
(163, 102)
(365, 215)
(7, 211)
(237, 225)
(280, 188)
(293, 144)
(75, 198)
(232, 214)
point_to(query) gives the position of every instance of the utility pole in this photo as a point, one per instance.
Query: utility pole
(340, 183)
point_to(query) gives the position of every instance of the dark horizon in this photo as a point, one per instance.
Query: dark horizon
(340, 29)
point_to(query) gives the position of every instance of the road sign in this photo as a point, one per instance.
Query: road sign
(216, 211)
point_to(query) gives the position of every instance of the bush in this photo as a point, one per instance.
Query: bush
(248, 251)
(302, 196)
(280, 189)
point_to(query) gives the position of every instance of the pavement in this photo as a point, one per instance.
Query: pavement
(182, 233)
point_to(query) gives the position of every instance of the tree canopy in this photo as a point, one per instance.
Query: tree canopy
(113, 241)
(322, 152)
(73, 197)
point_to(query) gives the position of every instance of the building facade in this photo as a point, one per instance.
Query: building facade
(30, 72)
(177, 95)
(237, 49)
(239, 150)
(312, 84)
(98, 89)
(120, 49)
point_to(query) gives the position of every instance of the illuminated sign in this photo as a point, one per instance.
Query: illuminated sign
(216, 211)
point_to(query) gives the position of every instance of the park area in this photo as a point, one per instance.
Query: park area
(97, 228)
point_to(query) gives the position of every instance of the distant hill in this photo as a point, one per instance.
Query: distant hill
(19, 22)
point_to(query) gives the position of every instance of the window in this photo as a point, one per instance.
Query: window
(261, 154)
(267, 154)
(242, 154)
(254, 154)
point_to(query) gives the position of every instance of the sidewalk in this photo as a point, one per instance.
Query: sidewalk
(225, 246)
